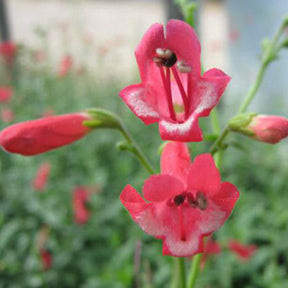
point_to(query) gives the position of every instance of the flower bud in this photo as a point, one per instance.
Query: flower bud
(264, 128)
(42, 135)
(270, 129)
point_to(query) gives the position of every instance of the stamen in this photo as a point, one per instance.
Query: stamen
(182, 67)
(160, 52)
(179, 199)
(189, 88)
(182, 91)
(165, 57)
(201, 201)
(167, 88)
(171, 60)
(191, 201)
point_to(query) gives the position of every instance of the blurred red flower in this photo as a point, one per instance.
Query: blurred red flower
(8, 51)
(7, 115)
(46, 259)
(45, 134)
(242, 251)
(40, 181)
(65, 66)
(5, 94)
(80, 200)
(186, 202)
(211, 248)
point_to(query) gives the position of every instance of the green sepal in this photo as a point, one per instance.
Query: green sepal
(240, 122)
(101, 118)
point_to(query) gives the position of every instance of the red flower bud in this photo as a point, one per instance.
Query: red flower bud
(42, 135)
(270, 129)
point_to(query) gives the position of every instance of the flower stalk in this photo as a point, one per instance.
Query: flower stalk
(269, 54)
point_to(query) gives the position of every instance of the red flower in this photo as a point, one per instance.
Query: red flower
(186, 202)
(211, 248)
(172, 91)
(46, 259)
(8, 51)
(80, 199)
(40, 181)
(244, 252)
(270, 129)
(5, 94)
(65, 66)
(42, 135)
(7, 115)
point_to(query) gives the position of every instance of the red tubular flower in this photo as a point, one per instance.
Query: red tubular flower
(80, 199)
(186, 202)
(8, 51)
(40, 181)
(5, 94)
(244, 252)
(172, 91)
(42, 135)
(65, 66)
(268, 128)
(46, 259)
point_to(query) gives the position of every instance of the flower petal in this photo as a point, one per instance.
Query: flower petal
(203, 175)
(134, 98)
(174, 247)
(227, 197)
(162, 187)
(175, 160)
(182, 39)
(208, 90)
(146, 51)
(141, 212)
(187, 131)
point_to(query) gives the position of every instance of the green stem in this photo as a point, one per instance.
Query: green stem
(194, 270)
(182, 272)
(267, 58)
(215, 121)
(134, 148)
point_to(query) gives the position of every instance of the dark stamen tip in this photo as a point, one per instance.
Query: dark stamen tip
(201, 201)
(169, 62)
(179, 199)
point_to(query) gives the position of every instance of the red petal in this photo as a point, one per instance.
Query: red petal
(227, 197)
(134, 98)
(38, 136)
(175, 160)
(208, 90)
(146, 50)
(132, 201)
(182, 39)
(162, 187)
(203, 175)
(187, 131)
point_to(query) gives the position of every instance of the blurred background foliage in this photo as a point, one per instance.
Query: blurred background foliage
(104, 252)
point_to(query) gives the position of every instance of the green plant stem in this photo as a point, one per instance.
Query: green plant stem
(267, 58)
(134, 148)
(182, 272)
(195, 267)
